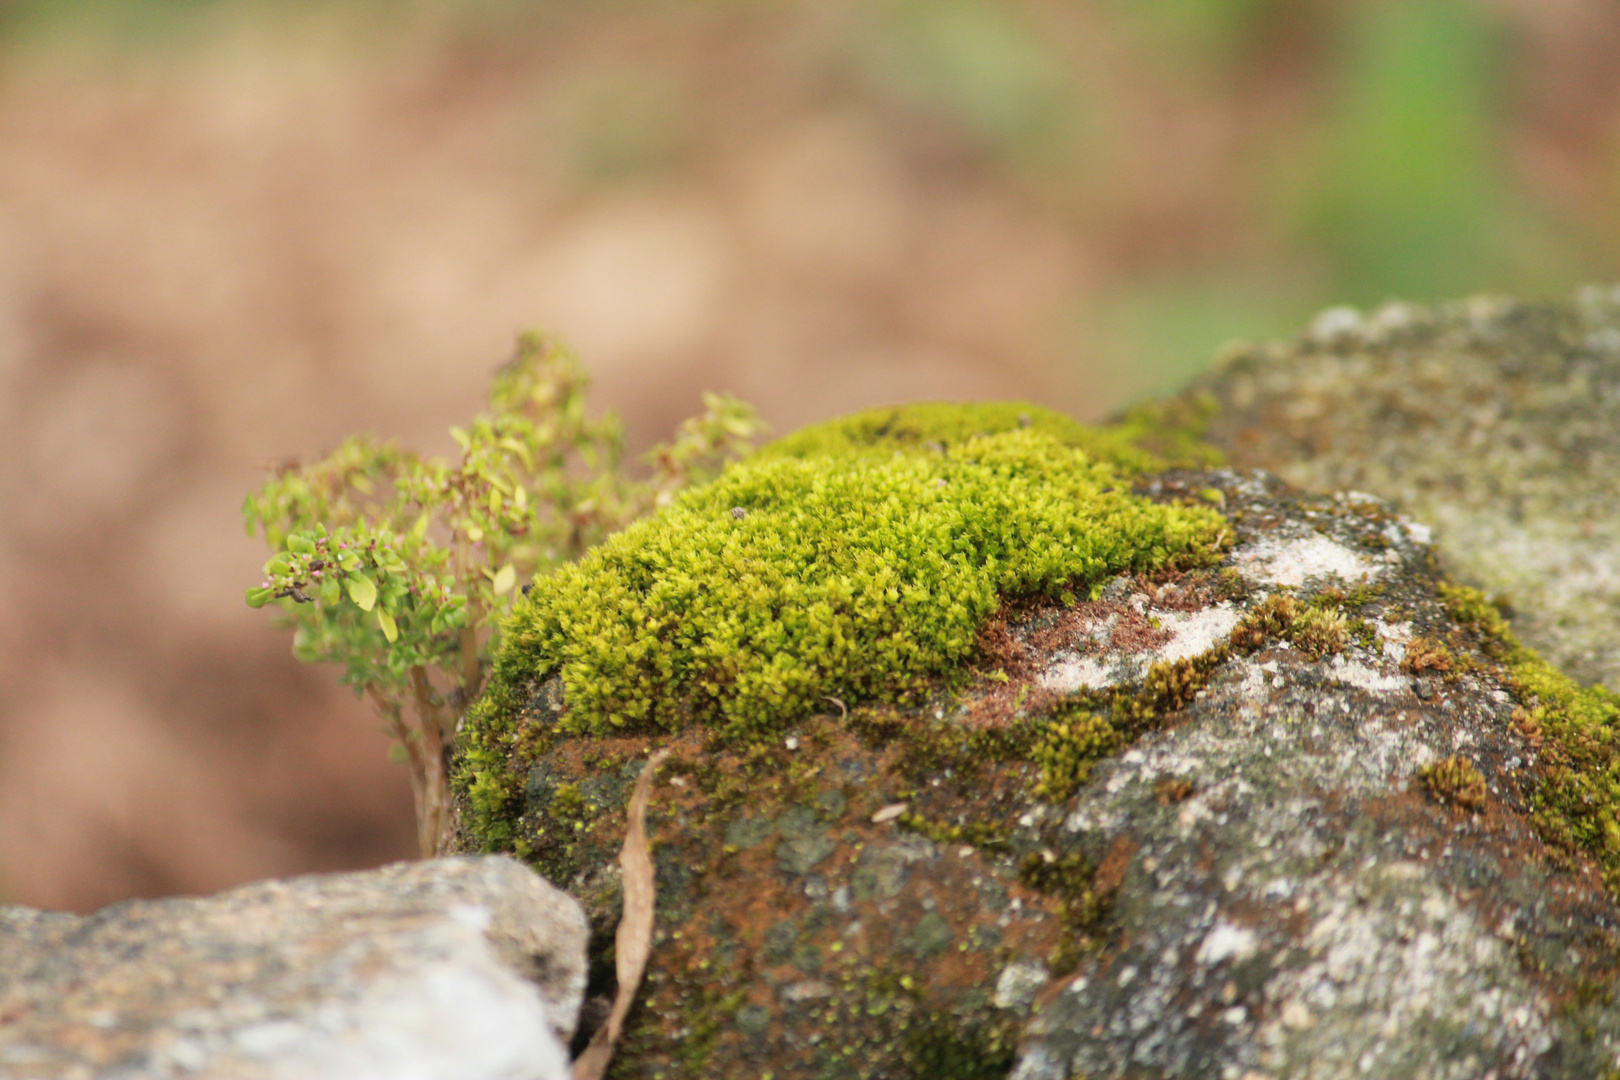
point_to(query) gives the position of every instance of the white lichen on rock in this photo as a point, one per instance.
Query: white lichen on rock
(1493, 421)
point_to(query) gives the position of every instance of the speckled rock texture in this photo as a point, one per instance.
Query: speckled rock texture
(1493, 421)
(461, 969)
(1254, 880)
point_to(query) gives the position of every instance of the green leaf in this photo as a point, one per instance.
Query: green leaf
(363, 591)
(300, 545)
(259, 597)
(504, 579)
(389, 628)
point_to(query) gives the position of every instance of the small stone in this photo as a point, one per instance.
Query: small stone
(461, 969)
(889, 813)
(1018, 984)
(808, 990)
(1296, 1016)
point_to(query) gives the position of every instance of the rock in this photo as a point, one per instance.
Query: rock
(1495, 422)
(1281, 816)
(457, 968)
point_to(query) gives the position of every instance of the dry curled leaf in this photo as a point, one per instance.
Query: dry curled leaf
(633, 943)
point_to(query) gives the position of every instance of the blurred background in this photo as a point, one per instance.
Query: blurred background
(232, 232)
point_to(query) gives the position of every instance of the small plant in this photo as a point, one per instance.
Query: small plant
(1456, 781)
(1319, 632)
(1425, 654)
(1272, 618)
(397, 566)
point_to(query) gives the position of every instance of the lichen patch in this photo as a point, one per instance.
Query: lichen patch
(1176, 635)
(1366, 677)
(1293, 562)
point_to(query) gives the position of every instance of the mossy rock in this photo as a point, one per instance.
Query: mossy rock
(1495, 422)
(858, 560)
(1125, 811)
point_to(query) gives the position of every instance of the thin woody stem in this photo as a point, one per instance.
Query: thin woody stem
(433, 820)
(471, 671)
(426, 838)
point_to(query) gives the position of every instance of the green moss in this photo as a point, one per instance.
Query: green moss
(1456, 781)
(1321, 631)
(1172, 430)
(855, 560)
(1577, 796)
(1069, 744)
(936, 426)
(1073, 880)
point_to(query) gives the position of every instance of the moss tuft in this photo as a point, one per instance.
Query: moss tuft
(1068, 745)
(1425, 654)
(1455, 781)
(1577, 794)
(1271, 618)
(1321, 631)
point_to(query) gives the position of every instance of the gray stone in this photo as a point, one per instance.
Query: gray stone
(1305, 909)
(1276, 894)
(458, 969)
(1185, 826)
(1495, 422)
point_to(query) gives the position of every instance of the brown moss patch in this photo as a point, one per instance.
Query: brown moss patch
(1457, 782)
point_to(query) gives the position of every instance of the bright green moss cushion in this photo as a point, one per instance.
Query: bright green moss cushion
(840, 562)
(944, 424)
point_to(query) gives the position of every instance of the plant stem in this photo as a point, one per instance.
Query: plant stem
(433, 812)
(426, 838)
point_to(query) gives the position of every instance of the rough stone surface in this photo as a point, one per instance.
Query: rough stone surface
(1258, 885)
(457, 968)
(1495, 422)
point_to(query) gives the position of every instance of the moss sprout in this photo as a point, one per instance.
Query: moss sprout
(1425, 655)
(1066, 749)
(1271, 618)
(1320, 631)
(1457, 782)
(1172, 790)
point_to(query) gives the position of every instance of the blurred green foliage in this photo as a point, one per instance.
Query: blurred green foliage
(1410, 194)
(1366, 150)
(978, 65)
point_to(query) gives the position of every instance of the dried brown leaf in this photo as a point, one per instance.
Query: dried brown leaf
(633, 942)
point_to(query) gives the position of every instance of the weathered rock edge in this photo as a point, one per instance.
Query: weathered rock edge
(1261, 885)
(461, 969)
(1495, 421)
